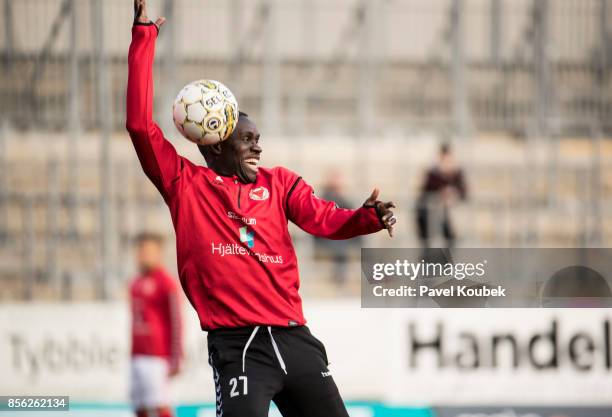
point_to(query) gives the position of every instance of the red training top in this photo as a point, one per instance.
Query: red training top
(236, 260)
(156, 317)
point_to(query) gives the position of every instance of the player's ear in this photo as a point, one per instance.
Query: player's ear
(216, 149)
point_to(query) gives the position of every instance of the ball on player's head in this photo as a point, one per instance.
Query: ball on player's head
(205, 112)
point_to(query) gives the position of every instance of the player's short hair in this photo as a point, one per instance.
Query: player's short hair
(149, 236)
(445, 148)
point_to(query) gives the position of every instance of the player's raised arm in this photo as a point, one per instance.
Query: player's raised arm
(158, 157)
(324, 219)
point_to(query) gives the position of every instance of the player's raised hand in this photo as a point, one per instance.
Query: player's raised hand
(141, 16)
(383, 209)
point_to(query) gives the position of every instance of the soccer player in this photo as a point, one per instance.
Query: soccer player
(156, 330)
(236, 260)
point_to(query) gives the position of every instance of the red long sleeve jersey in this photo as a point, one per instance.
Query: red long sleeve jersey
(156, 317)
(235, 257)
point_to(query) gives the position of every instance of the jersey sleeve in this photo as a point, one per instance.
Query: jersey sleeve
(324, 218)
(176, 323)
(159, 159)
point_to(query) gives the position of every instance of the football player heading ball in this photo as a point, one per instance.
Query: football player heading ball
(236, 261)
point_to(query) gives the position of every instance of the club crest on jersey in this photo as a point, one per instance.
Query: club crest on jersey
(259, 194)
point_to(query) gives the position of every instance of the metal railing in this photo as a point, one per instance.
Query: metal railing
(312, 66)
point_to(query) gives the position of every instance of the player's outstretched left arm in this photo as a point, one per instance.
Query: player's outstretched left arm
(325, 219)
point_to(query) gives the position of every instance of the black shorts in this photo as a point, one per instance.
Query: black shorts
(255, 365)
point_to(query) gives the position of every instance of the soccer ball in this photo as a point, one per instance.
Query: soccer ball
(205, 112)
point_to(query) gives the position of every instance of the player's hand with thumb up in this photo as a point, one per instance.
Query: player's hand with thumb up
(383, 209)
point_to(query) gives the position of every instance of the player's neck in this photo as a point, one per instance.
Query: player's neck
(224, 171)
(149, 270)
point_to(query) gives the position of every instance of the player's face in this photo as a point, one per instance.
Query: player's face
(148, 255)
(244, 150)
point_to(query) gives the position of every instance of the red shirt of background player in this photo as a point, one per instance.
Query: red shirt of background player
(156, 317)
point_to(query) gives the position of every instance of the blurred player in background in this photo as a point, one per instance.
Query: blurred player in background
(338, 251)
(235, 255)
(156, 330)
(442, 186)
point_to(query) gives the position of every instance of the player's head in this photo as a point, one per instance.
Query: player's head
(237, 155)
(445, 149)
(149, 248)
(445, 156)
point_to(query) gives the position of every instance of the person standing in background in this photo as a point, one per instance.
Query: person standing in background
(338, 251)
(443, 185)
(156, 330)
